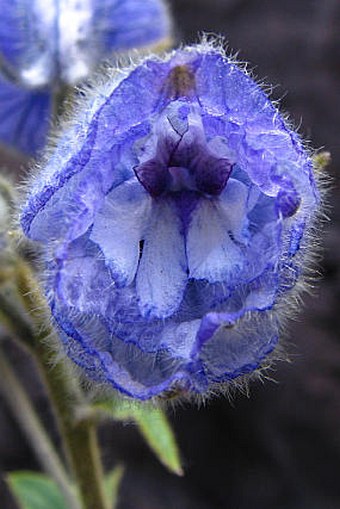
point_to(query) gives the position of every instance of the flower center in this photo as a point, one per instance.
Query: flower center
(183, 160)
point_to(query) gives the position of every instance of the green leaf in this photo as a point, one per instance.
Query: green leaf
(111, 485)
(153, 425)
(157, 432)
(35, 491)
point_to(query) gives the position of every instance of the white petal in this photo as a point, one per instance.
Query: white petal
(162, 276)
(211, 252)
(234, 203)
(118, 229)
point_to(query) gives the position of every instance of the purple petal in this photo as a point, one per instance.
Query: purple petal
(24, 117)
(130, 24)
(27, 42)
(236, 344)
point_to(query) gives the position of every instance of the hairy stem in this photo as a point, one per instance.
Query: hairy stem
(13, 317)
(61, 97)
(22, 409)
(79, 436)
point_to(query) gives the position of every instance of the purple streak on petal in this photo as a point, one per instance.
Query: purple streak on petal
(296, 235)
(212, 322)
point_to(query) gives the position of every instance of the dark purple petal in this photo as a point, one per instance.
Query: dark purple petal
(211, 175)
(154, 177)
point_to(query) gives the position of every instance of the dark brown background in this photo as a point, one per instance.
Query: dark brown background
(281, 447)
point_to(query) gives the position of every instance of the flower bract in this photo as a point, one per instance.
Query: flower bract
(44, 43)
(174, 214)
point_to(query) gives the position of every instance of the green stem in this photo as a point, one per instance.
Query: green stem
(60, 97)
(12, 315)
(79, 436)
(29, 422)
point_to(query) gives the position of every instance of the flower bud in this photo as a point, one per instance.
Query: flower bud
(175, 215)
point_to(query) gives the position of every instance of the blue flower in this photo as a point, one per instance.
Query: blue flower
(174, 214)
(44, 43)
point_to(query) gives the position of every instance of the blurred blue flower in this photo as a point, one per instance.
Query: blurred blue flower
(44, 43)
(175, 212)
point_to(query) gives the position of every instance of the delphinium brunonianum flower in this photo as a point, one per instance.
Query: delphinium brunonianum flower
(47, 43)
(174, 213)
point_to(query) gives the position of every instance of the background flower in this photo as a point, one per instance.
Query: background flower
(45, 43)
(176, 227)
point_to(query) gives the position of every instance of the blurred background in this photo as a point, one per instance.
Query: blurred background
(280, 447)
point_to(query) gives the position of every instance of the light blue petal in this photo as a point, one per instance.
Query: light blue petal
(82, 282)
(180, 338)
(262, 291)
(264, 251)
(123, 365)
(237, 344)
